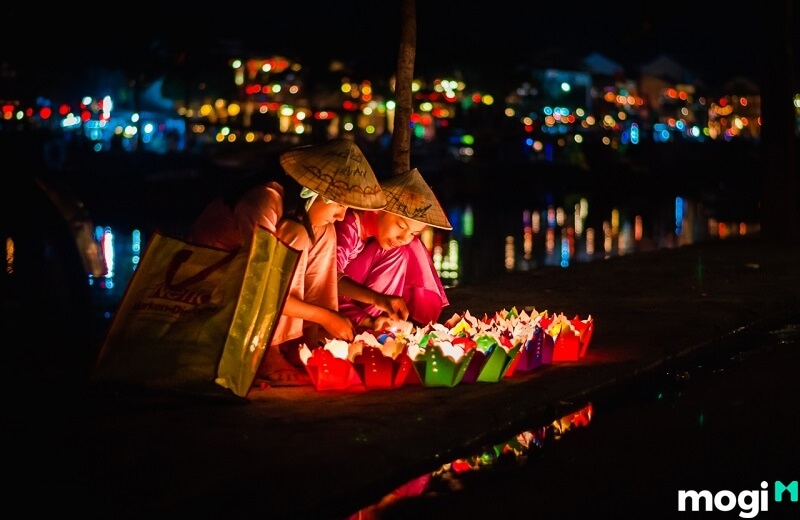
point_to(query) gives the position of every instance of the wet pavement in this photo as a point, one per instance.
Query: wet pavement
(296, 452)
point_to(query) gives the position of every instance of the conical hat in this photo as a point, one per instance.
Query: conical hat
(410, 196)
(338, 171)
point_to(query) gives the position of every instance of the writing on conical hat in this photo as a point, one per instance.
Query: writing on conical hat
(338, 171)
(410, 196)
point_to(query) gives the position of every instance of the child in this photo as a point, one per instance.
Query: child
(385, 271)
(332, 177)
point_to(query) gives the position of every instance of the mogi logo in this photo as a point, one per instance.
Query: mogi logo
(749, 502)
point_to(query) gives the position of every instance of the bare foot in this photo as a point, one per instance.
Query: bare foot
(277, 371)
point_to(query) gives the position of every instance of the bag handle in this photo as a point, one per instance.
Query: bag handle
(182, 256)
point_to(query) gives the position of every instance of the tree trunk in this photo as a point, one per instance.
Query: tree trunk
(401, 138)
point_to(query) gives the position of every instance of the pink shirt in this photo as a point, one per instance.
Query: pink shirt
(315, 278)
(406, 271)
(350, 237)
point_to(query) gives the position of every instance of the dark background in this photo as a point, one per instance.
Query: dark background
(717, 42)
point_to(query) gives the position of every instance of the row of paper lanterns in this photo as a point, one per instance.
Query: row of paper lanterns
(462, 350)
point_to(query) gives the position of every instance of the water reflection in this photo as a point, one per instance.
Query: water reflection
(122, 250)
(560, 236)
(447, 478)
(553, 236)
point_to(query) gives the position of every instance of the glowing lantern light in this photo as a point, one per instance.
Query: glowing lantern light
(329, 372)
(377, 370)
(442, 364)
(490, 362)
(461, 350)
(537, 351)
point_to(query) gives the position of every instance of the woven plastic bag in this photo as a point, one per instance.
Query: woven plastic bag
(193, 317)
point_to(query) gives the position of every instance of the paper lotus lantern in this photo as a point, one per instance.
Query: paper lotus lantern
(537, 351)
(463, 349)
(572, 339)
(459, 323)
(440, 364)
(490, 361)
(461, 327)
(545, 320)
(327, 370)
(377, 370)
(585, 328)
(567, 345)
(370, 361)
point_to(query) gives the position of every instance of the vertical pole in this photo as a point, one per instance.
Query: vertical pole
(401, 138)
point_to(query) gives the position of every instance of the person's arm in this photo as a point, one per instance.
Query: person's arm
(333, 322)
(394, 306)
(348, 245)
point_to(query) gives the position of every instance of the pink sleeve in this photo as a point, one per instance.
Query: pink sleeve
(423, 290)
(348, 241)
(348, 245)
(294, 235)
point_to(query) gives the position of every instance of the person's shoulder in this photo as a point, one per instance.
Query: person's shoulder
(293, 233)
(274, 187)
(269, 190)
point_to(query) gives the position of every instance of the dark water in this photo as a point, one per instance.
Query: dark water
(505, 215)
(487, 239)
(723, 421)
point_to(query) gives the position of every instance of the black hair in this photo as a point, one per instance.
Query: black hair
(294, 207)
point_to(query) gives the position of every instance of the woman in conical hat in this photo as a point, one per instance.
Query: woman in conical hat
(337, 170)
(385, 271)
(331, 178)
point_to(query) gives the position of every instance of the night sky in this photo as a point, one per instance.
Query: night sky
(715, 41)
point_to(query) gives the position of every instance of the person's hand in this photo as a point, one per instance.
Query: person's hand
(394, 306)
(382, 323)
(339, 326)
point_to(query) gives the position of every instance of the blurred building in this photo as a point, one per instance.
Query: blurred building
(559, 108)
